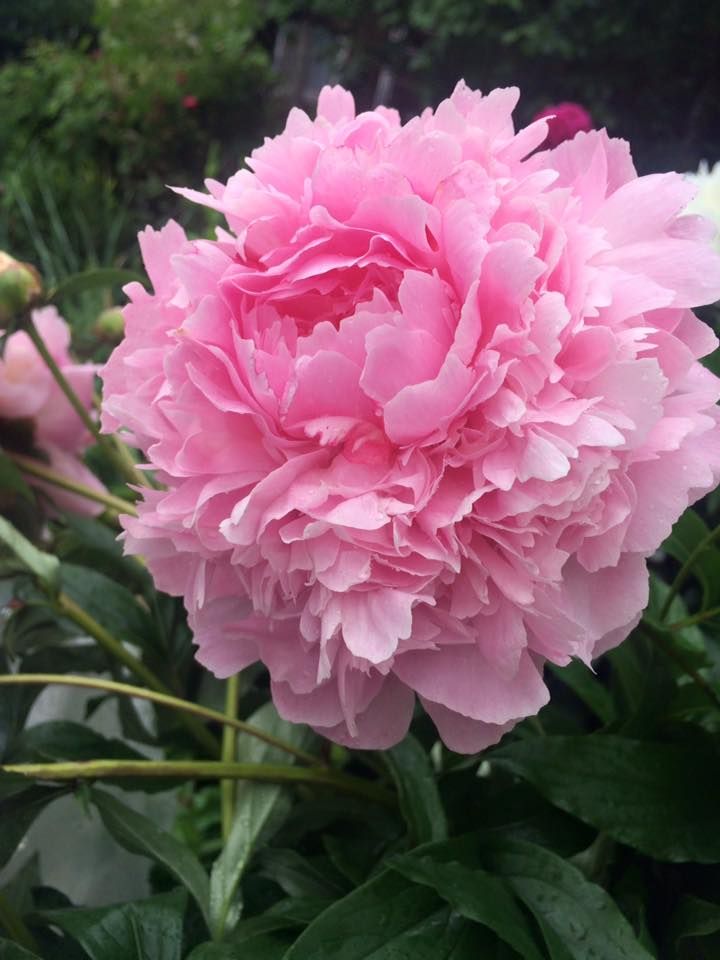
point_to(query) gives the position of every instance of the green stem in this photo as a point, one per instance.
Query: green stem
(37, 469)
(127, 469)
(228, 755)
(662, 640)
(59, 377)
(695, 618)
(686, 569)
(203, 770)
(14, 926)
(163, 700)
(66, 606)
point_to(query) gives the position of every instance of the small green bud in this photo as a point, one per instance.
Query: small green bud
(110, 324)
(20, 287)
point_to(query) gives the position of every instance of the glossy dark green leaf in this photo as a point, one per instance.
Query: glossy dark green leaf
(386, 917)
(44, 566)
(417, 789)
(151, 928)
(92, 279)
(138, 834)
(659, 798)
(475, 894)
(585, 922)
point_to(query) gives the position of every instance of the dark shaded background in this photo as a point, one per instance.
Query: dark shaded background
(106, 102)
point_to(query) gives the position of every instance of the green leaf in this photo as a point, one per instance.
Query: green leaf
(419, 799)
(11, 951)
(694, 918)
(251, 815)
(151, 928)
(388, 918)
(288, 914)
(91, 544)
(298, 876)
(15, 704)
(65, 740)
(42, 565)
(474, 894)
(585, 684)
(111, 604)
(635, 791)
(254, 809)
(138, 834)
(20, 804)
(263, 947)
(580, 915)
(12, 479)
(687, 533)
(92, 279)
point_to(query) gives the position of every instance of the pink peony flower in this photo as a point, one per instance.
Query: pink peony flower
(422, 413)
(564, 120)
(29, 392)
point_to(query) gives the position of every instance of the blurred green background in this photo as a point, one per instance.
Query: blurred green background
(104, 102)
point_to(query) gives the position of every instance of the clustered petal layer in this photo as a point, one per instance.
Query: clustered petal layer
(29, 393)
(421, 413)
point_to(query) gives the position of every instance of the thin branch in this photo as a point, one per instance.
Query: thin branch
(203, 770)
(59, 377)
(35, 468)
(700, 617)
(229, 754)
(163, 700)
(66, 606)
(686, 569)
(123, 463)
(659, 637)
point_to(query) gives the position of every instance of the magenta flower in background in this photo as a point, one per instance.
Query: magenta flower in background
(29, 392)
(421, 412)
(564, 120)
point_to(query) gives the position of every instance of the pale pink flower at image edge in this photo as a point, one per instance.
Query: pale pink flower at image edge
(29, 392)
(421, 413)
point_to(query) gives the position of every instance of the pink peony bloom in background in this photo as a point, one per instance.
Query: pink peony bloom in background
(564, 120)
(422, 413)
(29, 392)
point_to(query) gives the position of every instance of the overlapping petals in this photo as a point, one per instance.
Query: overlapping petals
(422, 411)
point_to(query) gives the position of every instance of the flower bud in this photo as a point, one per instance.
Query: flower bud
(564, 121)
(110, 324)
(20, 287)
